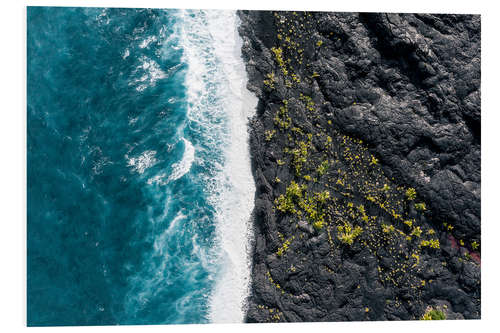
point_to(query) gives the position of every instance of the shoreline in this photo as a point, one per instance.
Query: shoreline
(235, 204)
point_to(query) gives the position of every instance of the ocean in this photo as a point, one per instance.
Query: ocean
(140, 189)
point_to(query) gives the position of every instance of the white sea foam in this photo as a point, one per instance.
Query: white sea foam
(103, 17)
(179, 169)
(140, 163)
(126, 54)
(216, 84)
(151, 73)
(147, 41)
(182, 167)
(158, 179)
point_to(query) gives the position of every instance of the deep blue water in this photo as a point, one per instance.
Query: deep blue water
(122, 178)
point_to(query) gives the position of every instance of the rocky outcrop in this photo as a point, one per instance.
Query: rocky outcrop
(366, 156)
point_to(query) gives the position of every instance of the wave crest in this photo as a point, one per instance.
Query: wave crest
(182, 167)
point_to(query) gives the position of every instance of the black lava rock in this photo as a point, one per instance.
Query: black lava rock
(366, 156)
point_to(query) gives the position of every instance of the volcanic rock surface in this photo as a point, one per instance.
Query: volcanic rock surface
(366, 156)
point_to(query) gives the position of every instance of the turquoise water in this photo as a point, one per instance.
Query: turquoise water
(139, 183)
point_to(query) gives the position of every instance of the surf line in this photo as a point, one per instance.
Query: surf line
(213, 49)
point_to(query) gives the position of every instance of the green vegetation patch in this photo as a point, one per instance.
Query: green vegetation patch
(433, 314)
